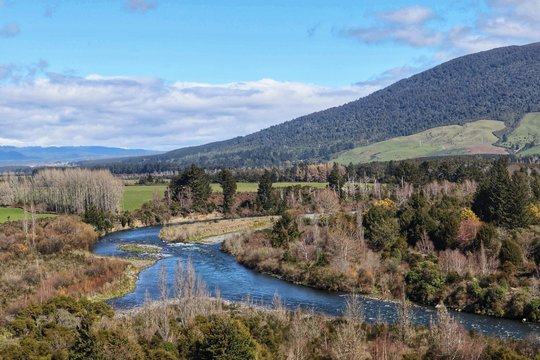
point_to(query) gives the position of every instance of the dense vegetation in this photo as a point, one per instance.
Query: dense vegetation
(499, 84)
(414, 236)
(470, 245)
(193, 326)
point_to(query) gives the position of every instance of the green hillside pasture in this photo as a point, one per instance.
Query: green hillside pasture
(527, 133)
(472, 138)
(15, 214)
(135, 196)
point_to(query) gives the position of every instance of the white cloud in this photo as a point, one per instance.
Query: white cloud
(406, 25)
(408, 15)
(150, 113)
(505, 22)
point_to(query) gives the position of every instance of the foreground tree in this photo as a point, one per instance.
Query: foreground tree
(228, 183)
(265, 194)
(191, 187)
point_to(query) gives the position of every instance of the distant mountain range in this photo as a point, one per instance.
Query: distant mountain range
(37, 156)
(501, 84)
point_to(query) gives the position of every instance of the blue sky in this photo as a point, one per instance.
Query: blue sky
(210, 70)
(212, 41)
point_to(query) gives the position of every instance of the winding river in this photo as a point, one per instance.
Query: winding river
(237, 283)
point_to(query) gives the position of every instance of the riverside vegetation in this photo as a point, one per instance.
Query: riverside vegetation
(397, 240)
(191, 325)
(472, 246)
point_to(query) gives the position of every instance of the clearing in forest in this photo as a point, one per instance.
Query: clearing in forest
(471, 138)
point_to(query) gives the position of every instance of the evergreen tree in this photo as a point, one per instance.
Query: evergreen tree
(228, 183)
(490, 199)
(416, 219)
(84, 348)
(335, 180)
(518, 202)
(193, 182)
(265, 194)
(284, 231)
(503, 199)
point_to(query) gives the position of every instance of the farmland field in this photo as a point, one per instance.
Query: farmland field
(471, 138)
(14, 214)
(252, 187)
(135, 196)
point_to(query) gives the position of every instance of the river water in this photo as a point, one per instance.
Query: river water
(237, 283)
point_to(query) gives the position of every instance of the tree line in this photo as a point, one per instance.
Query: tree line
(70, 190)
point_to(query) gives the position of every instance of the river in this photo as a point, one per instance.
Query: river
(237, 283)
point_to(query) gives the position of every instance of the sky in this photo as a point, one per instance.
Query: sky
(164, 74)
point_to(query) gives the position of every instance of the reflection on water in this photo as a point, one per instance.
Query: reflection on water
(237, 283)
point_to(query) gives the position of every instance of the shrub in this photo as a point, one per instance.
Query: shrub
(425, 283)
(224, 339)
(511, 252)
(532, 310)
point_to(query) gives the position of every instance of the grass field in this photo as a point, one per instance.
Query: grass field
(528, 131)
(136, 195)
(14, 214)
(252, 187)
(472, 138)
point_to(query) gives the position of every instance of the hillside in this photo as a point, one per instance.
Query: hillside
(525, 138)
(499, 84)
(36, 155)
(471, 138)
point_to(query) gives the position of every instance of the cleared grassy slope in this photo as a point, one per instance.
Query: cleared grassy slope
(525, 139)
(472, 138)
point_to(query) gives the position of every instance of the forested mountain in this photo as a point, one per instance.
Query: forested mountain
(500, 84)
(37, 155)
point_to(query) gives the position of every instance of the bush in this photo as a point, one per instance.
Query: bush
(425, 283)
(511, 252)
(224, 339)
(532, 310)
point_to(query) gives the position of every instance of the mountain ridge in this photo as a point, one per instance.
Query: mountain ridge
(498, 84)
(45, 155)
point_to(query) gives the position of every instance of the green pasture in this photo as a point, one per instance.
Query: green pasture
(136, 195)
(15, 214)
(471, 138)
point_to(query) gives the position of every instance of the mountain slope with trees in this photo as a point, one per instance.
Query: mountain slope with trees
(499, 84)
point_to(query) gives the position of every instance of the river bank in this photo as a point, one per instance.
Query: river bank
(236, 283)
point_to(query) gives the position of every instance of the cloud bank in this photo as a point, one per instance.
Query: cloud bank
(149, 112)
